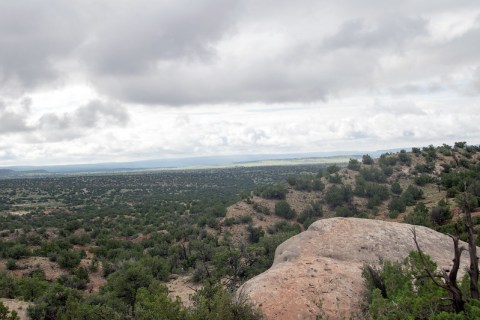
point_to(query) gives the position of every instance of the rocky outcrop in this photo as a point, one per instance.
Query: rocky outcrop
(323, 266)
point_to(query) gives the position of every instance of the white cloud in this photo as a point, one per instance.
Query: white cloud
(87, 81)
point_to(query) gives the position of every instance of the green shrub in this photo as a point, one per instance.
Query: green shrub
(397, 205)
(283, 209)
(354, 164)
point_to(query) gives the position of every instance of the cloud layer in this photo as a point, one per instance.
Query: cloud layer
(319, 75)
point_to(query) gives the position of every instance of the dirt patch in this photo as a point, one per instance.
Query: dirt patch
(238, 232)
(17, 305)
(95, 279)
(28, 265)
(299, 200)
(18, 213)
(183, 288)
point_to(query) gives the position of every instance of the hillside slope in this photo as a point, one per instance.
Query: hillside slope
(418, 187)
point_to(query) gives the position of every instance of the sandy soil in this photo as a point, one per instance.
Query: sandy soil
(182, 287)
(27, 265)
(17, 305)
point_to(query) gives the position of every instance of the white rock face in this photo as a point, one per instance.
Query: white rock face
(323, 265)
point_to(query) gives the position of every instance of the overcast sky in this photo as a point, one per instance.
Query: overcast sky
(85, 81)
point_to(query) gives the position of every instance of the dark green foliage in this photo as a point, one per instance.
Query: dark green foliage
(78, 309)
(277, 191)
(310, 213)
(284, 227)
(460, 144)
(157, 266)
(31, 287)
(154, 303)
(336, 196)
(52, 302)
(246, 219)
(419, 216)
(441, 213)
(400, 291)
(467, 201)
(77, 280)
(68, 259)
(7, 286)
(6, 314)
(306, 182)
(404, 158)
(354, 164)
(218, 210)
(423, 179)
(270, 244)
(335, 178)
(344, 211)
(262, 209)
(370, 189)
(396, 188)
(215, 303)
(366, 159)
(446, 150)
(254, 233)
(375, 193)
(387, 171)
(9, 249)
(124, 283)
(430, 153)
(373, 175)
(387, 160)
(393, 214)
(11, 264)
(333, 169)
(425, 168)
(397, 205)
(411, 195)
(283, 209)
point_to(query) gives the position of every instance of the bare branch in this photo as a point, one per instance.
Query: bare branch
(424, 262)
(451, 278)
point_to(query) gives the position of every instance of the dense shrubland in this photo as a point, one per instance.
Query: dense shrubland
(137, 231)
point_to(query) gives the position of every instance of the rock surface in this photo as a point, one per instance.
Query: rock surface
(323, 265)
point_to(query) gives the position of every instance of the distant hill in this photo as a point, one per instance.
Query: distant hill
(6, 172)
(417, 187)
(192, 162)
(10, 173)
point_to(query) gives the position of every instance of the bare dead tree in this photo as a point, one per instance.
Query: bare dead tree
(449, 282)
(472, 248)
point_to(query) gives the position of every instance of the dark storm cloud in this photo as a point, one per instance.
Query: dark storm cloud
(209, 51)
(145, 32)
(33, 36)
(461, 50)
(390, 31)
(14, 121)
(301, 71)
(11, 122)
(92, 115)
